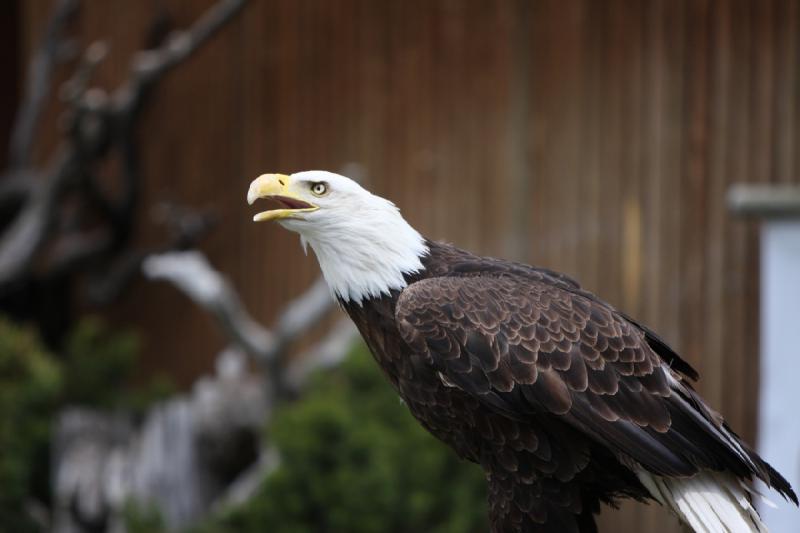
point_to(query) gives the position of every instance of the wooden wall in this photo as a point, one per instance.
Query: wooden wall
(597, 138)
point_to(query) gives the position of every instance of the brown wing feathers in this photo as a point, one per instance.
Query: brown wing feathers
(542, 347)
(466, 264)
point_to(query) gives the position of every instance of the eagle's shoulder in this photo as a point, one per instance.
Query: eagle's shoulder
(447, 261)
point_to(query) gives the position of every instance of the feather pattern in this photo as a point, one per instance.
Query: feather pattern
(563, 400)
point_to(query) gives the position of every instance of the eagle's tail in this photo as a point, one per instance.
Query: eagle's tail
(708, 502)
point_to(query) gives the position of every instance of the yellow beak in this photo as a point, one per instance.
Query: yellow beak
(282, 189)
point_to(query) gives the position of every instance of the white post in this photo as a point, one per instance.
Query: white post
(779, 405)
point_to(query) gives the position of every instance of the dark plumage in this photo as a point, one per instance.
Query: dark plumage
(564, 401)
(555, 393)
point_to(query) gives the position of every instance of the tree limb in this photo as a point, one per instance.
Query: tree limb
(98, 123)
(23, 238)
(37, 84)
(191, 272)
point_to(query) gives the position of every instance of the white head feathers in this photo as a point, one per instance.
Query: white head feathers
(363, 244)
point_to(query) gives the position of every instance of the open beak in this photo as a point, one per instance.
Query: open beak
(279, 188)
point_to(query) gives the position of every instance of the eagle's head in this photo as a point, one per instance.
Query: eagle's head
(364, 246)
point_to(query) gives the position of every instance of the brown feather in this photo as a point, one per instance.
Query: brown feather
(554, 392)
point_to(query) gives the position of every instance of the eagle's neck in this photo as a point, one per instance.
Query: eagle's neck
(368, 260)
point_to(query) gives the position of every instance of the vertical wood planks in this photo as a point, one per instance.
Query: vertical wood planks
(618, 126)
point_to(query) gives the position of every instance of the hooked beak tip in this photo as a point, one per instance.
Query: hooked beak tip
(252, 194)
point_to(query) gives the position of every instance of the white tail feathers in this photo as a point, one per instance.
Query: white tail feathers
(709, 502)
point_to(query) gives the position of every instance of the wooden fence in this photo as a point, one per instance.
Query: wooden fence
(597, 138)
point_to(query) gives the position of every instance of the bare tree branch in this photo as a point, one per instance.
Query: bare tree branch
(151, 64)
(37, 84)
(191, 273)
(98, 123)
(26, 234)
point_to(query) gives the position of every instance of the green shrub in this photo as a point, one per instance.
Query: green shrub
(29, 388)
(95, 370)
(353, 460)
(99, 364)
(142, 518)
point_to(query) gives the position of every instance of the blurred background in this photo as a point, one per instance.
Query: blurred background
(167, 365)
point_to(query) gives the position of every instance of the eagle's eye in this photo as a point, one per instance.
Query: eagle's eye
(319, 188)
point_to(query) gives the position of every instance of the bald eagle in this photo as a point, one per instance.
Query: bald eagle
(563, 400)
